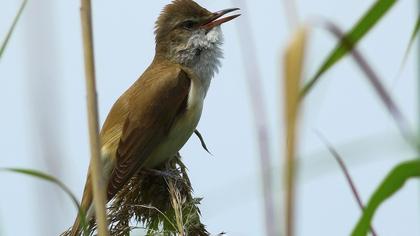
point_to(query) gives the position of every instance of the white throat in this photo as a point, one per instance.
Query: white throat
(202, 54)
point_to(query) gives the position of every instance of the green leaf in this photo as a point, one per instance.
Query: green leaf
(9, 33)
(49, 178)
(410, 44)
(362, 27)
(390, 185)
(413, 37)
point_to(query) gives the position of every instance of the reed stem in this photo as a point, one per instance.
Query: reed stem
(92, 106)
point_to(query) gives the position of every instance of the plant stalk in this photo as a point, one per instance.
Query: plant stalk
(92, 106)
(293, 66)
(253, 79)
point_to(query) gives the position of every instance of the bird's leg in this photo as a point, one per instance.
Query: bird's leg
(165, 174)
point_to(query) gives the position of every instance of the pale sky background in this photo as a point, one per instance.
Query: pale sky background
(42, 99)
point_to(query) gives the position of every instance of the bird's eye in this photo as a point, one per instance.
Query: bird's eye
(188, 25)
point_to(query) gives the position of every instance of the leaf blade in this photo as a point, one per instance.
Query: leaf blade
(359, 30)
(294, 58)
(11, 29)
(409, 45)
(52, 179)
(394, 181)
(346, 173)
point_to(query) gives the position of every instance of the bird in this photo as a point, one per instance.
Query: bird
(152, 120)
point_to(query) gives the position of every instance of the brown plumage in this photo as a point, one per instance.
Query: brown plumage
(165, 100)
(124, 133)
(154, 118)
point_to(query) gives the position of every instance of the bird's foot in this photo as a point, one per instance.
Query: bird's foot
(165, 174)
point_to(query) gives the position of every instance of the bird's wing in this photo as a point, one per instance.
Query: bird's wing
(154, 105)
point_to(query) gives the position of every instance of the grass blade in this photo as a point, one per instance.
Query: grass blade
(52, 179)
(359, 30)
(346, 172)
(9, 33)
(46, 177)
(410, 45)
(376, 84)
(293, 64)
(390, 185)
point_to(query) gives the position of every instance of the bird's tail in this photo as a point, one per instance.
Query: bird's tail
(86, 207)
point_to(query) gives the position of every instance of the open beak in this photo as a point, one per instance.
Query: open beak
(216, 19)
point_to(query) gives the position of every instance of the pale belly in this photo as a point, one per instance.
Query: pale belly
(179, 134)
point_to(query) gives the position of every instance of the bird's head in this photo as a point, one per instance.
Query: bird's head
(185, 30)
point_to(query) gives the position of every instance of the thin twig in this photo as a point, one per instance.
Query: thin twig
(346, 172)
(253, 78)
(176, 203)
(156, 209)
(95, 162)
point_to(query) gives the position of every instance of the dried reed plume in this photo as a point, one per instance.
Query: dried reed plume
(158, 200)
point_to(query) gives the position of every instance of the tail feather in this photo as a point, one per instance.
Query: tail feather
(87, 200)
(85, 206)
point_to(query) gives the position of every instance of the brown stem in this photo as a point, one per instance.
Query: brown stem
(253, 79)
(346, 172)
(95, 162)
